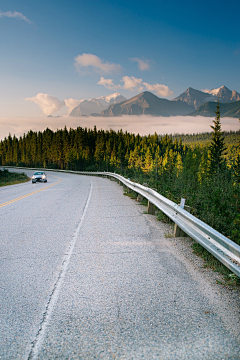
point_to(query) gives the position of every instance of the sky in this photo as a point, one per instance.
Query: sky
(55, 53)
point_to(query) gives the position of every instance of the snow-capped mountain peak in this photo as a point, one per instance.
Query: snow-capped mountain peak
(224, 94)
(108, 98)
(96, 105)
(112, 98)
(216, 91)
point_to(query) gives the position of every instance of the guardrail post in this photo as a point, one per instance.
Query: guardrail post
(178, 232)
(139, 198)
(125, 188)
(128, 190)
(151, 208)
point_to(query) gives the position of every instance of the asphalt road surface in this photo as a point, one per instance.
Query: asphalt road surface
(85, 274)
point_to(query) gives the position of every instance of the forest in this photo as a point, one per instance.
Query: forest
(203, 168)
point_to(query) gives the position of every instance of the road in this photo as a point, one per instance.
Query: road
(85, 274)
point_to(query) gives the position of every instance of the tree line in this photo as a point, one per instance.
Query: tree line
(204, 174)
(87, 149)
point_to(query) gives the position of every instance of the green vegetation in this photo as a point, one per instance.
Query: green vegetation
(230, 137)
(175, 169)
(10, 178)
(231, 140)
(130, 194)
(217, 146)
(211, 262)
(164, 218)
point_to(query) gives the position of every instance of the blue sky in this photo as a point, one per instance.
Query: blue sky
(174, 45)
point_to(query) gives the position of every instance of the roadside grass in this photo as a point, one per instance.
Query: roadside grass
(164, 218)
(11, 178)
(130, 194)
(168, 234)
(210, 261)
(143, 202)
(229, 279)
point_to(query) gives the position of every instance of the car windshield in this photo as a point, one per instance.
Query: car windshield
(39, 173)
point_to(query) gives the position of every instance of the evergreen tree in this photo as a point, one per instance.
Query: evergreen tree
(99, 151)
(236, 166)
(179, 164)
(217, 146)
(203, 169)
(148, 162)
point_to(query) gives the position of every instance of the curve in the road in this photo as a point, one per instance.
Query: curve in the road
(85, 274)
(32, 193)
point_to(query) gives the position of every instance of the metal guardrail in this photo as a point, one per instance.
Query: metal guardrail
(224, 249)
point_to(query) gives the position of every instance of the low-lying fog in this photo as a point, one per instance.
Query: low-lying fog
(143, 125)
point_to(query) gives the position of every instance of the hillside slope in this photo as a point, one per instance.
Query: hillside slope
(194, 97)
(227, 109)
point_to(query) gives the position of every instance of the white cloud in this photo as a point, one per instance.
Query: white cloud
(15, 15)
(206, 90)
(108, 83)
(72, 103)
(159, 89)
(143, 65)
(94, 63)
(131, 83)
(134, 84)
(48, 103)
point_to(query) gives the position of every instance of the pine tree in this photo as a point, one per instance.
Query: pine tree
(203, 169)
(217, 146)
(99, 151)
(179, 164)
(148, 162)
(236, 166)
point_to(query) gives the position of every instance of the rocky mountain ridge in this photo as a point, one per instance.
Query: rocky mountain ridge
(198, 98)
(189, 102)
(87, 107)
(194, 97)
(224, 94)
(149, 104)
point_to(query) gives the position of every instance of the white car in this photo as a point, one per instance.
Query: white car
(39, 176)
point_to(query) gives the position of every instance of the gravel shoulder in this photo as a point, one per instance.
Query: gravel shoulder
(223, 298)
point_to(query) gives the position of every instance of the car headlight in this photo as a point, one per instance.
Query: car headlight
(33, 177)
(43, 176)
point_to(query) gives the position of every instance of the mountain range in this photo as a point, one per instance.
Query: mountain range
(95, 106)
(198, 98)
(148, 103)
(192, 102)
